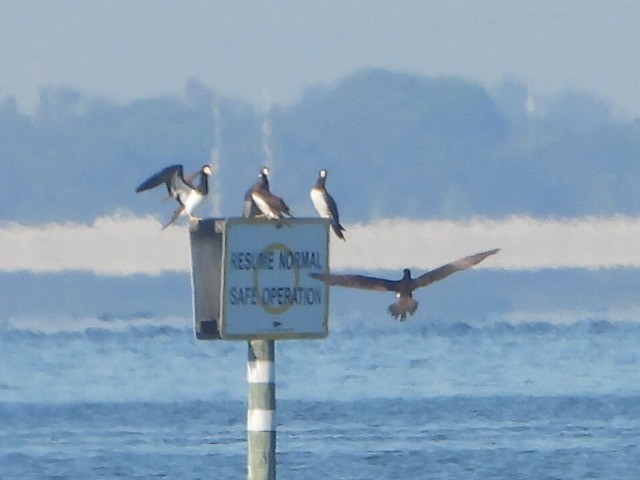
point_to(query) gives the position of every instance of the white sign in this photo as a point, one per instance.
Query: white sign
(266, 288)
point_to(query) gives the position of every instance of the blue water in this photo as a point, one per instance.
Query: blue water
(141, 398)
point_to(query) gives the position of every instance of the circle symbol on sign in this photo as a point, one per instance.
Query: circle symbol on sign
(280, 309)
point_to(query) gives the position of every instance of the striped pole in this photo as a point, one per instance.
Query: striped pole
(261, 413)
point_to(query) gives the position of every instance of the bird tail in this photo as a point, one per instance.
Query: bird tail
(404, 306)
(175, 216)
(286, 211)
(338, 229)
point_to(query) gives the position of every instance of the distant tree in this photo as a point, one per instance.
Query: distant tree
(577, 112)
(399, 143)
(395, 145)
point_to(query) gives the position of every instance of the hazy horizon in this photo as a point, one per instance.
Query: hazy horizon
(126, 245)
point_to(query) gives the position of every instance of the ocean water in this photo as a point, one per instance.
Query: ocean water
(141, 398)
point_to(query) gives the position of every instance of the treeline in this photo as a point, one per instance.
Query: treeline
(394, 145)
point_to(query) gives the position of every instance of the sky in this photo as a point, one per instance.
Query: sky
(269, 52)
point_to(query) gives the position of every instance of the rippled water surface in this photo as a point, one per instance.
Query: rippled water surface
(144, 399)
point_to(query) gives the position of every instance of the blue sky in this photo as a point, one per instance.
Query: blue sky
(269, 52)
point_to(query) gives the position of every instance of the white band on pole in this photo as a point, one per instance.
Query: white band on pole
(261, 371)
(261, 420)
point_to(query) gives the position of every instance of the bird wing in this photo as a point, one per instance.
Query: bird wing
(456, 266)
(267, 200)
(249, 208)
(285, 208)
(189, 179)
(357, 281)
(333, 208)
(166, 176)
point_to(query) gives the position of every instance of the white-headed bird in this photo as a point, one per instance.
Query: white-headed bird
(249, 208)
(187, 193)
(325, 205)
(270, 206)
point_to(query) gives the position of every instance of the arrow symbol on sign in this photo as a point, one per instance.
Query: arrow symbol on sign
(276, 324)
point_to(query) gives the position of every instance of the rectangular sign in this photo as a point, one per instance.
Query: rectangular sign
(266, 288)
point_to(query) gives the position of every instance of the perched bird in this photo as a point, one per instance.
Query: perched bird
(184, 190)
(325, 205)
(250, 209)
(404, 288)
(270, 206)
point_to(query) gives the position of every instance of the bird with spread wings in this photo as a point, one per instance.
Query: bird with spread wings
(405, 305)
(183, 189)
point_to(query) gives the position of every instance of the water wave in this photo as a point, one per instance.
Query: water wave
(101, 326)
(525, 323)
(98, 329)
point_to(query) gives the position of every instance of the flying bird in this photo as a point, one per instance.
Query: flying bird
(249, 208)
(404, 288)
(325, 205)
(268, 205)
(184, 190)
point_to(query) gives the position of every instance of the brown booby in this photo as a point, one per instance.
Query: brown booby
(404, 288)
(249, 208)
(187, 193)
(325, 205)
(270, 206)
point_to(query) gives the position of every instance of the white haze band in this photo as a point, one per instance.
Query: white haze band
(125, 245)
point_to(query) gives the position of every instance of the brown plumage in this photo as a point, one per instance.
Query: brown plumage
(259, 201)
(406, 285)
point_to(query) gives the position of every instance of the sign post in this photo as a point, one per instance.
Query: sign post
(250, 282)
(261, 411)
